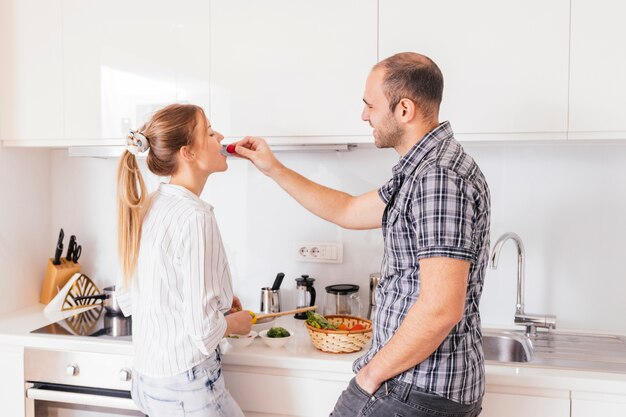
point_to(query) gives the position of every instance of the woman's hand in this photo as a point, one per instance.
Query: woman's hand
(259, 153)
(236, 306)
(238, 323)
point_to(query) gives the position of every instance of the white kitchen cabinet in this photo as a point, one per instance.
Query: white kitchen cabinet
(505, 64)
(587, 404)
(286, 69)
(506, 401)
(123, 60)
(31, 73)
(12, 380)
(598, 68)
(261, 391)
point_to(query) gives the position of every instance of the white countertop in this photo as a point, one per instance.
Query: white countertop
(299, 354)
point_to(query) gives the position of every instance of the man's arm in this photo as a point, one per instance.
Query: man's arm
(360, 212)
(437, 310)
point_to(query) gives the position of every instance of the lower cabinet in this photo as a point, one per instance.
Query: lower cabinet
(503, 401)
(587, 404)
(12, 380)
(265, 392)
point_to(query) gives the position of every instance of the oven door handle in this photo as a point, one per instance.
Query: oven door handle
(79, 398)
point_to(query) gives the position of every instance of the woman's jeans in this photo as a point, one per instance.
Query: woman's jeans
(398, 399)
(198, 392)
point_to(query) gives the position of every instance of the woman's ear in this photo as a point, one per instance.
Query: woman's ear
(186, 153)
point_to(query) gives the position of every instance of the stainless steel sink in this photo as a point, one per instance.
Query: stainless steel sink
(506, 347)
(580, 351)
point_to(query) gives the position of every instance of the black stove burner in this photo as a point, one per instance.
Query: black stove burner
(92, 323)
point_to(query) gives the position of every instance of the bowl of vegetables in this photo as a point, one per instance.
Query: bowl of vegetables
(337, 333)
(241, 340)
(276, 336)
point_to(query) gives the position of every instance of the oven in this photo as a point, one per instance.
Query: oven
(72, 384)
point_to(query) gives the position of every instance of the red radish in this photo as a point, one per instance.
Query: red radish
(230, 148)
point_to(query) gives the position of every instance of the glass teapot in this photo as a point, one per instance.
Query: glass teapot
(342, 299)
(305, 294)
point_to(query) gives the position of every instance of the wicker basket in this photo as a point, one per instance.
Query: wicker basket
(341, 341)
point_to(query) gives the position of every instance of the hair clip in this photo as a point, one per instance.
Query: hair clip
(136, 143)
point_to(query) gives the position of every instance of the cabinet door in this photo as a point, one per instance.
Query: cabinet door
(123, 60)
(512, 405)
(505, 64)
(12, 380)
(260, 392)
(31, 81)
(586, 404)
(283, 68)
(598, 68)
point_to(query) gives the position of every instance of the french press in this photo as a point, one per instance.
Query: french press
(305, 294)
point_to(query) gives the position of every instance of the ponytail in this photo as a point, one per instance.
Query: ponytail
(131, 205)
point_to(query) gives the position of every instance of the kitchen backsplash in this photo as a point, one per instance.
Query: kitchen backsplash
(566, 201)
(25, 202)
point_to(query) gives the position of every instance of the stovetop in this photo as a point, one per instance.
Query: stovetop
(92, 323)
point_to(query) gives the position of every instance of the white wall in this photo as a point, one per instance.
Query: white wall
(25, 243)
(566, 200)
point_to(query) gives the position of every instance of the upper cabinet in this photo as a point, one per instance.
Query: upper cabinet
(598, 70)
(123, 60)
(78, 72)
(31, 71)
(284, 69)
(505, 64)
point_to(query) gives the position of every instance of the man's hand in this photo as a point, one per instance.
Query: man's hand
(259, 153)
(367, 382)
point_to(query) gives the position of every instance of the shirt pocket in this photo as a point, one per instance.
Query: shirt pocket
(398, 241)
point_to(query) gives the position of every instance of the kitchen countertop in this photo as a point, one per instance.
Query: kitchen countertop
(300, 355)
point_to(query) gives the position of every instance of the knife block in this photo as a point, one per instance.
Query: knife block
(56, 277)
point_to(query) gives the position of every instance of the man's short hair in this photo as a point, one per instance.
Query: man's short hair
(415, 77)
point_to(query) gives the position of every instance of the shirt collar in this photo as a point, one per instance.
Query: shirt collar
(414, 156)
(180, 191)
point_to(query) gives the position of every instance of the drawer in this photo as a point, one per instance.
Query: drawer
(88, 369)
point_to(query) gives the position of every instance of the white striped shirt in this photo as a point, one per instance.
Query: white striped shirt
(182, 287)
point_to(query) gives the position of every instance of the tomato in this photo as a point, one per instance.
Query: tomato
(342, 327)
(357, 326)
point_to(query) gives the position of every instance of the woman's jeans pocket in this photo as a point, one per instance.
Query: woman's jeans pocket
(156, 407)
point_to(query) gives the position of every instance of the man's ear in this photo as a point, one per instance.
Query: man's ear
(186, 154)
(406, 110)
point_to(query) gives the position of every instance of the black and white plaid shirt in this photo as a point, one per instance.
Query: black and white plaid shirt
(438, 205)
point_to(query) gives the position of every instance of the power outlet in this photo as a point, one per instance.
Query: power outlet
(326, 252)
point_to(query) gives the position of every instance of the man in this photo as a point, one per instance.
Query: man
(426, 356)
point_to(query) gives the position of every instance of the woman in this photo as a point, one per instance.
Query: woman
(175, 268)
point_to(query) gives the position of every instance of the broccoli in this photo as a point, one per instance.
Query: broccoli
(277, 332)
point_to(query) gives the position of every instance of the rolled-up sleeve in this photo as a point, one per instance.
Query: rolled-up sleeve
(204, 265)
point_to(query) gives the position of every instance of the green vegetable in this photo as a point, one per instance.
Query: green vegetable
(318, 321)
(233, 336)
(277, 332)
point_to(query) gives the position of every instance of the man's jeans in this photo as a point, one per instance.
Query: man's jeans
(398, 399)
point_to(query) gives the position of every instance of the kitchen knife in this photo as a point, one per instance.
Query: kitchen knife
(70, 248)
(278, 281)
(59, 250)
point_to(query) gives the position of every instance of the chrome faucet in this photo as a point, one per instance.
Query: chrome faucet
(530, 321)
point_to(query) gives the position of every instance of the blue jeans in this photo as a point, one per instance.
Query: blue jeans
(198, 392)
(398, 399)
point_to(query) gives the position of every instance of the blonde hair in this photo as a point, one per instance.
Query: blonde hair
(167, 131)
